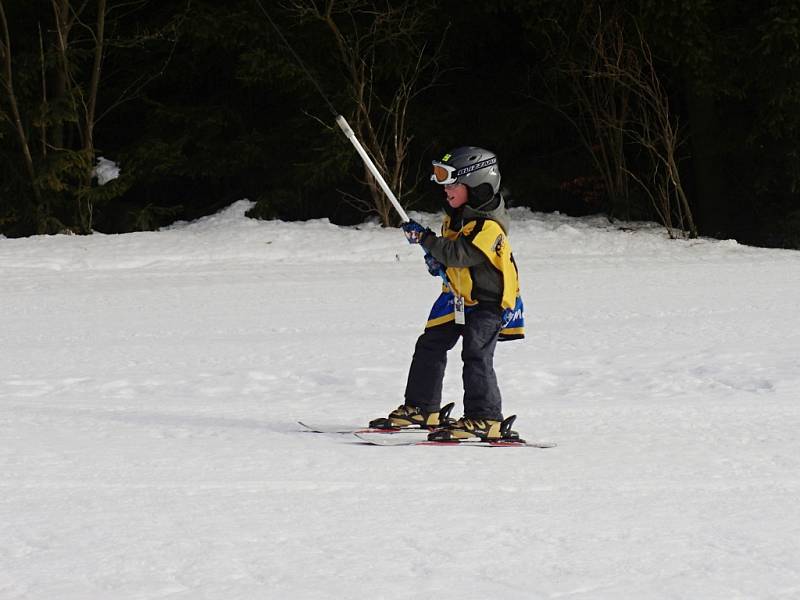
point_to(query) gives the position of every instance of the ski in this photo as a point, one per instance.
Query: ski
(379, 439)
(344, 429)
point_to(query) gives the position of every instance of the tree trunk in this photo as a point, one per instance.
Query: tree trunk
(85, 208)
(709, 182)
(59, 81)
(8, 81)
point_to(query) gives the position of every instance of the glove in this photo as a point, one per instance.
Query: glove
(435, 268)
(415, 232)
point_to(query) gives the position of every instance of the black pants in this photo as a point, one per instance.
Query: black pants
(481, 395)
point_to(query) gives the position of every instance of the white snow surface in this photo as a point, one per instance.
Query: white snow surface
(150, 385)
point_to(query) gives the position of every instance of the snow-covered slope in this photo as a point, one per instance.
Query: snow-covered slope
(150, 384)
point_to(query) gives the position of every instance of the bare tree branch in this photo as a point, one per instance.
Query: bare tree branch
(359, 30)
(619, 104)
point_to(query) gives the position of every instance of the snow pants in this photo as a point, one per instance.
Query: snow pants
(481, 394)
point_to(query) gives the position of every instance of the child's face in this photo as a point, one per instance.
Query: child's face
(456, 194)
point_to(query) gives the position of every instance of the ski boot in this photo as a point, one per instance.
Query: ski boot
(485, 430)
(404, 417)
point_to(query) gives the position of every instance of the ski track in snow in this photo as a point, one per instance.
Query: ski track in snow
(150, 385)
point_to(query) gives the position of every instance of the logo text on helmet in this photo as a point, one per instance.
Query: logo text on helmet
(474, 167)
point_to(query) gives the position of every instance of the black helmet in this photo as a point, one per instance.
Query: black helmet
(469, 165)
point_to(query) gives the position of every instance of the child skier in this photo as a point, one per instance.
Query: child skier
(480, 302)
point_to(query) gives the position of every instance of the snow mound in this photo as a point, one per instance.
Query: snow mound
(105, 171)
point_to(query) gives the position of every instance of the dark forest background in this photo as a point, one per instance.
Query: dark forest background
(682, 111)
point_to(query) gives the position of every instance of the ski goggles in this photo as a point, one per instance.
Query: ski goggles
(443, 174)
(446, 174)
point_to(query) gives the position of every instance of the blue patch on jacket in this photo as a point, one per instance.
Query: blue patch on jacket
(513, 327)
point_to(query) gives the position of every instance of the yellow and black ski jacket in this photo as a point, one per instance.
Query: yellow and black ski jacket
(476, 252)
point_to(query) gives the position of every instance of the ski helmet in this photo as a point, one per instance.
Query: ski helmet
(469, 165)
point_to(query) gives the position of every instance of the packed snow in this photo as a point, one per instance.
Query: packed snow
(105, 171)
(151, 383)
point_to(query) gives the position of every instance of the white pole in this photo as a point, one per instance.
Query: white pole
(345, 127)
